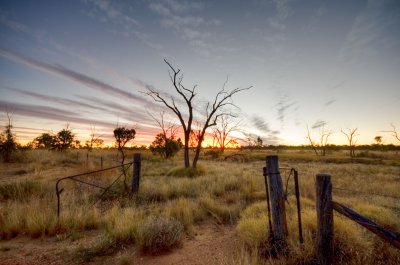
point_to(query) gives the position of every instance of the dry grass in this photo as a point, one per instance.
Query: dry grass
(169, 204)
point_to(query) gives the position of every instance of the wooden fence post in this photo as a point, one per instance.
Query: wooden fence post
(277, 195)
(297, 192)
(324, 247)
(137, 159)
(101, 162)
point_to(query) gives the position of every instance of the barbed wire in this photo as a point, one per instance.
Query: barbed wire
(368, 193)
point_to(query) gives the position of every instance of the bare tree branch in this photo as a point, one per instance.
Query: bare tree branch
(213, 111)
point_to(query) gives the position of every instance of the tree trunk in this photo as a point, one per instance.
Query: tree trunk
(196, 156)
(186, 150)
(198, 149)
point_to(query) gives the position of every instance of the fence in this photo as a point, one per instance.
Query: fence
(134, 183)
(325, 233)
(277, 196)
(324, 206)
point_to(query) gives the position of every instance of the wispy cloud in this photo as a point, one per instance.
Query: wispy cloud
(125, 24)
(330, 102)
(368, 28)
(130, 113)
(69, 74)
(318, 124)
(53, 99)
(260, 124)
(283, 107)
(44, 112)
(178, 15)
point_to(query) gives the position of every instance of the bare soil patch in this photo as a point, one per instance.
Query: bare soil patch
(209, 243)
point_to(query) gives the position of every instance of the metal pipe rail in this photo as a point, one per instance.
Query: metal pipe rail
(73, 178)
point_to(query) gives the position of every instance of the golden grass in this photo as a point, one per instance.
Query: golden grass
(227, 192)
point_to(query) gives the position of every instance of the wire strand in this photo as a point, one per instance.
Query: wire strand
(367, 193)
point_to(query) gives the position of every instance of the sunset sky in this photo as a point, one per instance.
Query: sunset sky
(310, 63)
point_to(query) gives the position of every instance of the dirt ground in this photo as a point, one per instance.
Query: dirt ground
(209, 244)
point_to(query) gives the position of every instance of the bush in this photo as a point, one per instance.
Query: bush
(187, 172)
(214, 153)
(160, 234)
(21, 191)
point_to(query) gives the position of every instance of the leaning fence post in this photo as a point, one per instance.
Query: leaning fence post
(324, 247)
(277, 196)
(136, 172)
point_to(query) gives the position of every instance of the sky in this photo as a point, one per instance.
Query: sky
(87, 63)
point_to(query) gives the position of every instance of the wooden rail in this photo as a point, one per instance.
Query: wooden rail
(325, 231)
(387, 235)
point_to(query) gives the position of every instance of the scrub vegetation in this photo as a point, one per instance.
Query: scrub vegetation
(172, 205)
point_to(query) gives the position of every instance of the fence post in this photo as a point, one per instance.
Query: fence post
(324, 247)
(136, 172)
(101, 162)
(297, 191)
(277, 196)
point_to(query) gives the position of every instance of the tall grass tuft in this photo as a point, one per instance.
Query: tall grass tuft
(159, 234)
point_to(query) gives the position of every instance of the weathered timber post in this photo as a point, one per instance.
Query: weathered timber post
(297, 191)
(268, 204)
(324, 247)
(277, 195)
(137, 159)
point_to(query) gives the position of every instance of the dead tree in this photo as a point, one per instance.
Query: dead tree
(213, 110)
(7, 141)
(395, 133)
(351, 135)
(169, 130)
(165, 143)
(95, 140)
(312, 141)
(222, 131)
(323, 140)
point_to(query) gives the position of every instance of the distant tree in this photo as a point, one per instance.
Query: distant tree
(351, 135)
(194, 139)
(250, 139)
(323, 140)
(76, 144)
(394, 132)
(165, 144)
(212, 111)
(95, 141)
(259, 142)
(7, 141)
(45, 140)
(222, 131)
(122, 136)
(64, 139)
(378, 140)
(165, 147)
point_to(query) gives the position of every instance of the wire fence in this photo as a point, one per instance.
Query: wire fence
(366, 193)
(75, 178)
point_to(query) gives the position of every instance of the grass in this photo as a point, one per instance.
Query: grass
(187, 172)
(172, 201)
(159, 234)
